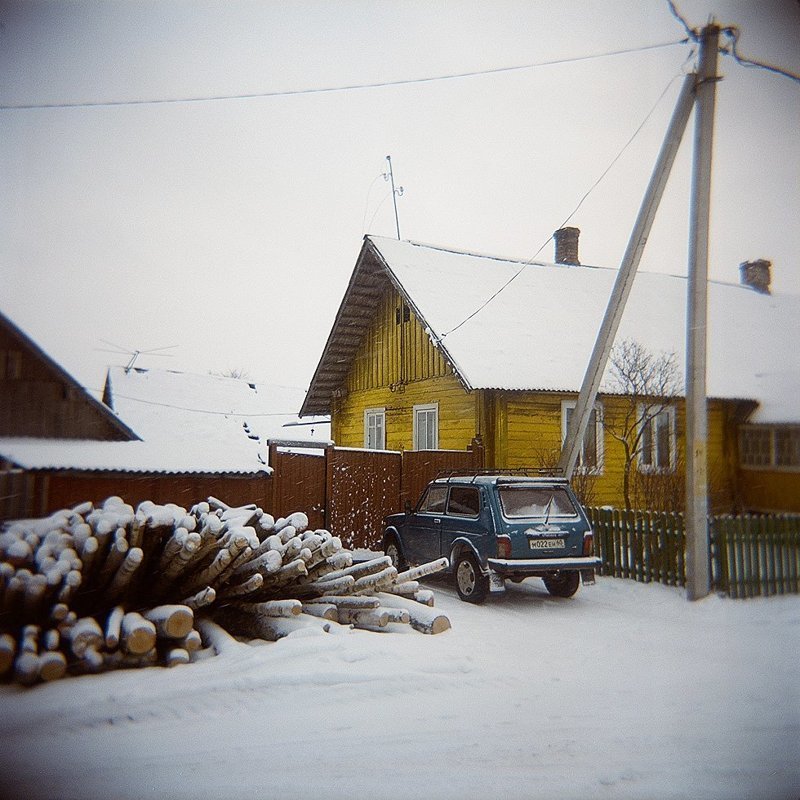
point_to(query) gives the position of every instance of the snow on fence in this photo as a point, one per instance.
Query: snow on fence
(94, 588)
(751, 555)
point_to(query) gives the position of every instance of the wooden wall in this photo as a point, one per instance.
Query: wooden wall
(764, 490)
(396, 368)
(51, 491)
(36, 399)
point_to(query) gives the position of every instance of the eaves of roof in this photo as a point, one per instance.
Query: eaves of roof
(355, 315)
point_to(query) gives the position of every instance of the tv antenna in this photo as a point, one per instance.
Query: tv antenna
(134, 354)
(398, 192)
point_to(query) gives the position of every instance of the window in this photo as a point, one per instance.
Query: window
(375, 428)
(521, 502)
(787, 447)
(590, 458)
(434, 500)
(426, 427)
(465, 501)
(657, 445)
(755, 446)
(770, 446)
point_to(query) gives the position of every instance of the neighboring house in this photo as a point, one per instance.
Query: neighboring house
(209, 421)
(38, 398)
(432, 349)
(195, 435)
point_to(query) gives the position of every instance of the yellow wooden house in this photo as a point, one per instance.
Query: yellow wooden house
(437, 349)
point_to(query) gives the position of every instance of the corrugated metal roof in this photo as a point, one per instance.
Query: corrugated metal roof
(130, 457)
(537, 334)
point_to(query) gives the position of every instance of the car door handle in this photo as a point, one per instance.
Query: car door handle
(437, 521)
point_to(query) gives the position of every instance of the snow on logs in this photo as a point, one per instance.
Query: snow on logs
(102, 587)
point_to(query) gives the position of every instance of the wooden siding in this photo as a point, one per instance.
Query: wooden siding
(395, 350)
(531, 425)
(765, 490)
(396, 368)
(457, 414)
(35, 400)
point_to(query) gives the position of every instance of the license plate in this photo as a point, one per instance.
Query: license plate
(547, 544)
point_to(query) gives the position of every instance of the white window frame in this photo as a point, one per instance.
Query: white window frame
(370, 415)
(426, 408)
(644, 411)
(566, 406)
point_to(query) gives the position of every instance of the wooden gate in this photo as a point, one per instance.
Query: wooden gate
(363, 487)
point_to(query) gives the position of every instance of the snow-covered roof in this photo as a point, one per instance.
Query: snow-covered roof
(188, 424)
(538, 333)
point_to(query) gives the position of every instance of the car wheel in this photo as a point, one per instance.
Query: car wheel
(393, 551)
(471, 583)
(563, 584)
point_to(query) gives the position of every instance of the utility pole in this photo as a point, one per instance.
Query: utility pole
(697, 542)
(624, 281)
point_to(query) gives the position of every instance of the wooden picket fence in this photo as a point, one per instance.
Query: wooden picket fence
(749, 555)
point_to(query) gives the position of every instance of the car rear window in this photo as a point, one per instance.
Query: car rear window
(519, 502)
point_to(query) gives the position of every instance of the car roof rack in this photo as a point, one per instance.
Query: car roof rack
(511, 472)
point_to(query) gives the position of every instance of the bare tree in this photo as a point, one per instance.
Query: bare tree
(582, 481)
(648, 383)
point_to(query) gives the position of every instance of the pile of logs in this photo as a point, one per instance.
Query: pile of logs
(95, 588)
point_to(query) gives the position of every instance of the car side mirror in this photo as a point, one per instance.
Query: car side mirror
(407, 507)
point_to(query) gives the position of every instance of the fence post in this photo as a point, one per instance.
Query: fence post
(718, 529)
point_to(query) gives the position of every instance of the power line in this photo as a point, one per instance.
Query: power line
(690, 33)
(571, 214)
(204, 410)
(344, 88)
(732, 32)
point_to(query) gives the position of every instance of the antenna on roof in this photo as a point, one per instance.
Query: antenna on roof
(134, 354)
(398, 192)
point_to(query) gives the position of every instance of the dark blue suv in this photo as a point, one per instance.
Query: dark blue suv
(493, 527)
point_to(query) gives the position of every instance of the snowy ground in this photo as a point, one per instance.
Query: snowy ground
(625, 691)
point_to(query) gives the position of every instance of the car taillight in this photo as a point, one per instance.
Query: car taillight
(588, 544)
(503, 546)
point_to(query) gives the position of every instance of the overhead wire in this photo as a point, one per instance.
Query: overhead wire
(342, 88)
(204, 410)
(574, 210)
(690, 33)
(732, 32)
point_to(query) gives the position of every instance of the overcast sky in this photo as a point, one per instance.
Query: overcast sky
(229, 228)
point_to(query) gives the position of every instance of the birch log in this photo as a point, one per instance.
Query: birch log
(138, 635)
(171, 621)
(421, 618)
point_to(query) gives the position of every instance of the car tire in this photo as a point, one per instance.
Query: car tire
(563, 584)
(393, 551)
(471, 584)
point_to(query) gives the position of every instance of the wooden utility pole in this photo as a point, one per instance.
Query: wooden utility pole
(697, 542)
(624, 281)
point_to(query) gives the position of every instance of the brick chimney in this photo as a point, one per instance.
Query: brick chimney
(756, 274)
(567, 245)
